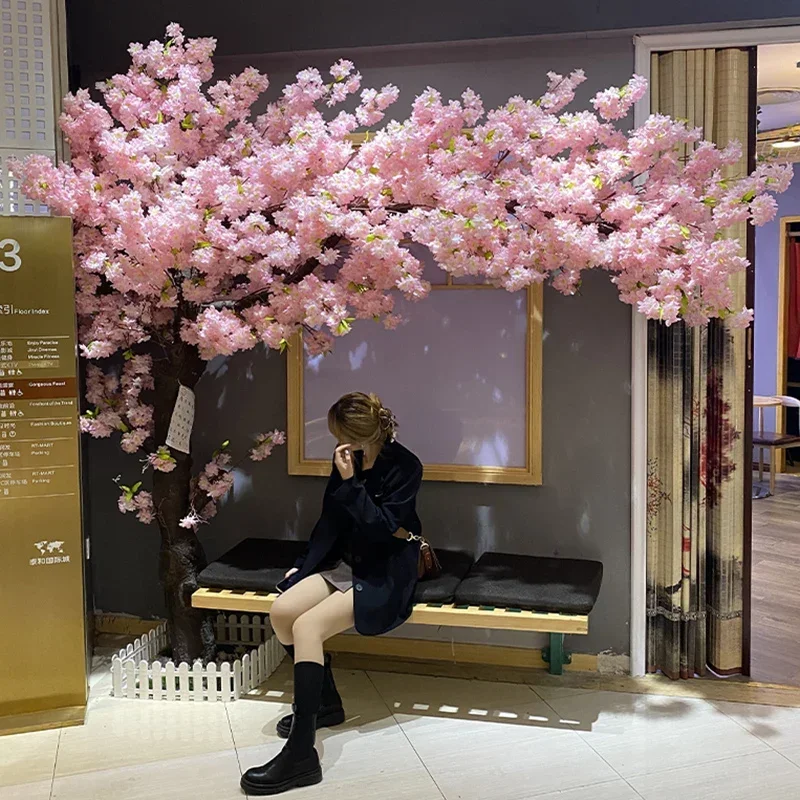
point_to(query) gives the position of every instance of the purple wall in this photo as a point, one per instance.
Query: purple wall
(765, 364)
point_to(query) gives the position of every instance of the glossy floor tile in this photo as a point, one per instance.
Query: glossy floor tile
(27, 791)
(489, 740)
(764, 775)
(643, 734)
(212, 775)
(778, 727)
(413, 737)
(28, 757)
(120, 732)
(613, 790)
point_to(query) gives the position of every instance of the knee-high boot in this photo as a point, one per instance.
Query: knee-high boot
(298, 763)
(331, 711)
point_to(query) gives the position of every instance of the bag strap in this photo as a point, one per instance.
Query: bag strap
(402, 533)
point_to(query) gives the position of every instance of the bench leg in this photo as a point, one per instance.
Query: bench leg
(555, 655)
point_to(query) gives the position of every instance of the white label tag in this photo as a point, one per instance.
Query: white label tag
(180, 426)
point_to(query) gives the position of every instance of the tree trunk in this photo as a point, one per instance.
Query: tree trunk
(182, 558)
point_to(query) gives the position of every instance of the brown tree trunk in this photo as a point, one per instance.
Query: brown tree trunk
(182, 558)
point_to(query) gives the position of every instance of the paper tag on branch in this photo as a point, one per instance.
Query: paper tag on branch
(180, 426)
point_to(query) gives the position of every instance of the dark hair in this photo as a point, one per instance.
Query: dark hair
(362, 419)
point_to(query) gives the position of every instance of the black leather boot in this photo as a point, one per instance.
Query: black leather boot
(298, 763)
(331, 711)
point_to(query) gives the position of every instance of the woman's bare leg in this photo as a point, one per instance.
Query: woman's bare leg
(295, 602)
(313, 628)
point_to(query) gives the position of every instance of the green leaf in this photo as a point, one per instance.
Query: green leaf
(534, 135)
(226, 443)
(136, 486)
(686, 231)
(710, 201)
(374, 170)
(283, 345)
(123, 427)
(597, 182)
(468, 223)
(490, 135)
(748, 197)
(128, 355)
(345, 326)
(159, 117)
(187, 123)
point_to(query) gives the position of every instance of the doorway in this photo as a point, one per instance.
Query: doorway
(646, 48)
(775, 537)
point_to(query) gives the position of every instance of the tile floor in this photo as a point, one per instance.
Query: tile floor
(422, 738)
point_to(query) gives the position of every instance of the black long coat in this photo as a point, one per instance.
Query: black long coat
(363, 514)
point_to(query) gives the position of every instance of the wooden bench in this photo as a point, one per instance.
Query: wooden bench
(498, 592)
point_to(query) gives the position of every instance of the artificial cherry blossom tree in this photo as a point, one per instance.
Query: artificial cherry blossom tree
(200, 231)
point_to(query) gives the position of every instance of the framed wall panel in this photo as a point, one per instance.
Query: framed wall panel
(462, 374)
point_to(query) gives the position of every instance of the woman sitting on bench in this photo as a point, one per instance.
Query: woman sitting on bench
(359, 569)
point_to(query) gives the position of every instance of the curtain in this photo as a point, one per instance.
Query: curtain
(696, 420)
(793, 350)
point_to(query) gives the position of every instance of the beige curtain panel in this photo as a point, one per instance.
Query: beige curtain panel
(696, 420)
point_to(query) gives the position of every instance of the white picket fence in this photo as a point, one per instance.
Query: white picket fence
(135, 673)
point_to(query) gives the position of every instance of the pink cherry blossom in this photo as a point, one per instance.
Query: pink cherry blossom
(201, 229)
(265, 443)
(162, 460)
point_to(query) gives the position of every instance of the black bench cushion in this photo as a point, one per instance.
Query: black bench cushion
(253, 565)
(455, 566)
(260, 564)
(530, 583)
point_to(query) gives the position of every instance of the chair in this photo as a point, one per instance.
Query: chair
(766, 440)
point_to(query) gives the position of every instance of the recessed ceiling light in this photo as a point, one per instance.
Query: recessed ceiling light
(786, 144)
(775, 96)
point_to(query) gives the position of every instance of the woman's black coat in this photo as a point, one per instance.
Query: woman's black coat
(363, 514)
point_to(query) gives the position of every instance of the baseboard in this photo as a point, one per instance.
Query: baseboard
(42, 720)
(453, 652)
(123, 624)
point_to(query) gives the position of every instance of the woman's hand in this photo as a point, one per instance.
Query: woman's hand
(343, 458)
(290, 573)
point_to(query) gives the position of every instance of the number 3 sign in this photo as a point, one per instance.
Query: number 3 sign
(9, 250)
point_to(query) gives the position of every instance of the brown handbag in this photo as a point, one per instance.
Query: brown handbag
(428, 566)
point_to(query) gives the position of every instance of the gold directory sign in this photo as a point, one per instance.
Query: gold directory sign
(42, 627)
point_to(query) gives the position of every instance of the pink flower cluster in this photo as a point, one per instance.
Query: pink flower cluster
(137, 502)
(265, 443)
(116, 404)
(252, 231)
(192, 218)
(161, 460)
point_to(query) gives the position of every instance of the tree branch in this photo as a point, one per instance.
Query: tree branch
(289, 277)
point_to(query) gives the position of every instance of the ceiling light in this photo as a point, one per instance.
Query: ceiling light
(786, 144)
(776, 96)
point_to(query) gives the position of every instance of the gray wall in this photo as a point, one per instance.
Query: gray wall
(100, 30)
(583, 508)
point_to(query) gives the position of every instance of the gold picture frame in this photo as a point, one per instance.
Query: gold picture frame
(529, 475)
